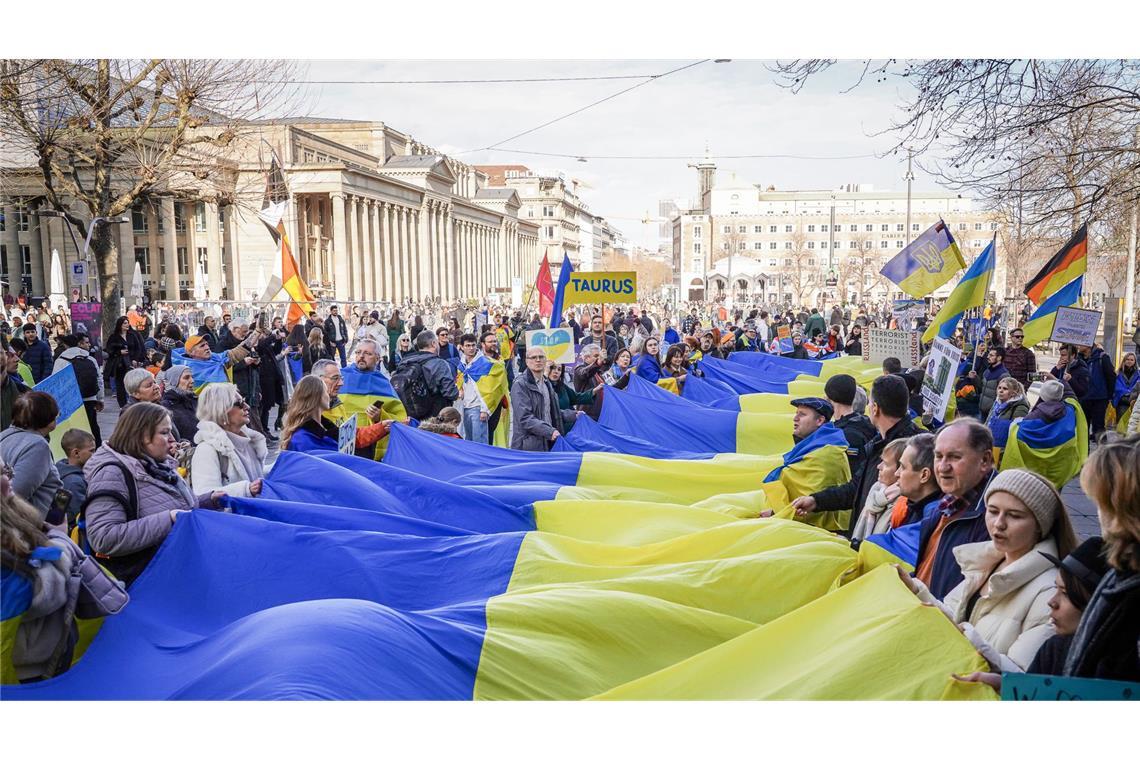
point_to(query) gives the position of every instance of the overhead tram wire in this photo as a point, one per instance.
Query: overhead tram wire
(695, 157)
(654, 78)
(519, 80)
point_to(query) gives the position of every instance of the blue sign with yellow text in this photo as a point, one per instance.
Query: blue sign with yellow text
(602, 287)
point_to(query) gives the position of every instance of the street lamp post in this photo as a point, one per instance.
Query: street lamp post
(84, 254)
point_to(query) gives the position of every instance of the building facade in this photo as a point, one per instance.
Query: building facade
(810, 247)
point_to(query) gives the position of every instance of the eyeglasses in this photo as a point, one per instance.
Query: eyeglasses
(1017, 336)
(538, 357)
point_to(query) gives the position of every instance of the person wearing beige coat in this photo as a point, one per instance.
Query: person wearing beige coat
(1002, 603)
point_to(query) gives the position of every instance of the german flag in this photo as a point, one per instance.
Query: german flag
(1067, 264)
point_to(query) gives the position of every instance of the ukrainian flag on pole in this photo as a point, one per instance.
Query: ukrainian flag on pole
(927, 263)
(969, 293)
(560, 292)
(1040, 325)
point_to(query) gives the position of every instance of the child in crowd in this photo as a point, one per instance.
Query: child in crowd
(446, 423)
(154, 362)
(79, 445)
(876, 514)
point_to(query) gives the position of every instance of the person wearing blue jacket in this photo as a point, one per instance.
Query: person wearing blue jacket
(304, 428)
(37, 355)
(1127, 379)
(1102, 381)
(648, 364)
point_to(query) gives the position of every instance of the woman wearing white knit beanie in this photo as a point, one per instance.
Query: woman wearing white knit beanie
(1002, 603)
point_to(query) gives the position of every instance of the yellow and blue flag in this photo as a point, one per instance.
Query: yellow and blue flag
(1055, 450)
(490, 378)
(1040, 325)
(203, 371)
(969, 293)
(928, 263)
(360, 391)
(560, 292)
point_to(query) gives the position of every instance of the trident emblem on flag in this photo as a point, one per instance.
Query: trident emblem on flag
(930, 258)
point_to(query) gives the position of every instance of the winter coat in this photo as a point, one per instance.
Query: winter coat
(1102, 376)
(312, 437)
(216, 465)
(529, 432)
(35, 478)
(38, 357)
(815, 323)
(340, 327)
(967, 528)
(183, 406)
(64, 583)
(1125, 384)
(118, 364)
(1048, 411)
(987, 396)
(1020, 362)
(76, 354)
(1079, 379)
(270, 380)
(608, 343)
(246, 377)
(586, 377)
(1107, 641)
(72, 477)
(108, 530)
(212, 339)
(1012, 611)
(1013, 409)
(439, 377)
(858, 430)
(568, 398)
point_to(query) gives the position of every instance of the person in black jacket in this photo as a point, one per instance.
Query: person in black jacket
(125, 351)
(1072, 371)
(209, 331)
(37, 355)
(270, 349)
(840, 391)
(179, 398)
(888, 413)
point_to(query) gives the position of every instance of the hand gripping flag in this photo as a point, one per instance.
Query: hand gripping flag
(545, 287)
(361, 390)
(560, 294)
(1040, 325)
(1067, 265)
(969, 293)
(929, 262)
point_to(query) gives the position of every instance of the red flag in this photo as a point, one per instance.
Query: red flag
(544, 284)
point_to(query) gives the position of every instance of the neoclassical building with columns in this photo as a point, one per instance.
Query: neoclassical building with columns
(373, 215)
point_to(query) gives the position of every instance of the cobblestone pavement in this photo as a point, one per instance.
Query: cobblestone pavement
(1081, 509)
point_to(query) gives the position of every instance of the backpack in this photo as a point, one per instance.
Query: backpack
(126, 567)
(85, 375)
(410, 383)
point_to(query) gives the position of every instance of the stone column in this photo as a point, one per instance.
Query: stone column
(389, 267)
(404, 284)
(464, 262)
(152, 278)
(169, 250)
(340, 247)
(426, 241)
(12, 250)
(40, 285)
(415, 222)
(352, 209)
(213, 250)
(375, 262)
(448, 255)
(232, 281)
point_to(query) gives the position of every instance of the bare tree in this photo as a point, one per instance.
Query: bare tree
(798, 274)
(104, 133)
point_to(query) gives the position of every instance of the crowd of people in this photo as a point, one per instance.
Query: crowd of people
(996, 550)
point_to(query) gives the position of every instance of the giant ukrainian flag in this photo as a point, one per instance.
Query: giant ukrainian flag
(969, 293)
(928, 263)
(350, 591)
(203, 371)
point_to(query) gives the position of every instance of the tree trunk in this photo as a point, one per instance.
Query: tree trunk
(106, 256)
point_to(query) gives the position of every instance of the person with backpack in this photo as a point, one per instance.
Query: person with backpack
(134, 492)
(424, 382)
(88, 376)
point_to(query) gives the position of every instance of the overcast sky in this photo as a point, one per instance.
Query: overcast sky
(736, 108)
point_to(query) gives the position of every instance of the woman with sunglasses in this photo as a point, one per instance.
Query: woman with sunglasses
(230, 455)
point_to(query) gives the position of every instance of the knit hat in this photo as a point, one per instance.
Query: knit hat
(170, 377)
(840, 389)
(1032, 490)
(192, 341)
(1051, 391)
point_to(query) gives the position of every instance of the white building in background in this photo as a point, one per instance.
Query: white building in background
(814, 245)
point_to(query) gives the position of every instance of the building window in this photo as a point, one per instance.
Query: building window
(727, 229)
(742, 229)
(787, 228)
(811, 245)
(758, 229)
(548, 211)
(548, 231)
(914, 228)
(771, 262)
(183, 264)
(977, 226)
(993, 226)
(758, 246)
(823, 228)
(743, 246)
(772, 229)
(179, 220)
(867, 245)
(25, 260)
(772, 245)
(898, 244)
(138, 219)
(855, 228)
(787, 246)
(853, 244)
(869, 228)
(787, 262)
(882, 243)
(811, 262)
(961, 226)
(22, 219)
(697, 231)
(900, 228)
(886, 228)
(726, 247)
(696, 247)
(199, 217)
(811, 228)
(162, 262)
(529, 213)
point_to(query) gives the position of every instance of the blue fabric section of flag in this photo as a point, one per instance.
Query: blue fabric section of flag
(297, 367)
(15, 593)
(648, 368)
(477, 370)
(588, 435)
(560, 291)
(332, 517)
(1066, 296)
(905, 263)
(212, 370)
(350, 481)
(710, 430)
(902, 542)
(366, 383)
(981, 269)
(639, 386)
(358, 615)
(1039, 434)
(1000, 429)
(469, 463)
(710, 393)
(827, 435)
(788, 366)
(741, 379)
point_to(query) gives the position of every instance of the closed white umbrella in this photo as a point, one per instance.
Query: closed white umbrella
(137, 282)
(58, 288)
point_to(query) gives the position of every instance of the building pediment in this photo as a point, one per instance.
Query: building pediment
(429, 172)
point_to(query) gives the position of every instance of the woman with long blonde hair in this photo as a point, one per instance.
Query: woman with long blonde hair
(304, 428)
(314, 349)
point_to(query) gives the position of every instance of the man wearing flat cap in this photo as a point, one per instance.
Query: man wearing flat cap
(812, 413)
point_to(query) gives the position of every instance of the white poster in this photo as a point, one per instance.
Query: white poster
(1076, 326)
(347, 436)
(941, 372)
(881, 344)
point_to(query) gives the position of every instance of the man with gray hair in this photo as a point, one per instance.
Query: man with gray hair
(330, 373)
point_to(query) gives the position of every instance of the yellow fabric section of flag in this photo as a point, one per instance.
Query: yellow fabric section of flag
(870, 639)
(576, 615)
(669, 384)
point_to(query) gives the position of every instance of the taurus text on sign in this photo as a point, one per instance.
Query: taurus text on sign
(602, 287)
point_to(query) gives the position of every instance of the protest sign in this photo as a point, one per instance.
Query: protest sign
(941, 371)
(1076, 326)
(1029, 687)
(90, 315)
(557, 343)
(346, 437)
(601, 287)
(63, 387)
(906, 312)
(881, 344)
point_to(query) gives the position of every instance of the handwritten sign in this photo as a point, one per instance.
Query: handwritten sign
(1027, 687)
(602, 287)
(1076, 326)
(90, 315)
(941, 371)
(346, 436)
(556, 343)
(881, 344)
